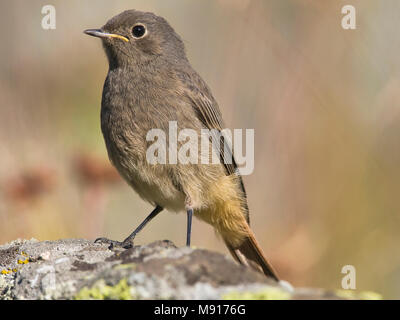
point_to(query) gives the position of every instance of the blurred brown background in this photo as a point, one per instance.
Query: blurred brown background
(324, 103)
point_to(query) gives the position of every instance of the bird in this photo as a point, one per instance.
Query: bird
(151, 83)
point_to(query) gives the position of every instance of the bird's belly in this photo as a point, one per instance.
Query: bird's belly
(157, 190)
(151, 182)
(127, 146)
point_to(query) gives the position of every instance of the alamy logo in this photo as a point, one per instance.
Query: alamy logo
(349, 280)
(205, 147)
(49, 19)
(349, 18)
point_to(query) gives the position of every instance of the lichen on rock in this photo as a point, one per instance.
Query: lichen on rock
(81, 269)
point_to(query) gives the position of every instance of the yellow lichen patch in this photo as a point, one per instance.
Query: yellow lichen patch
(23, 253)
(370, 295)
(363, 295)
(101, 291)
(271, 293)
(23, 261)
(8, 271)
(125, 266)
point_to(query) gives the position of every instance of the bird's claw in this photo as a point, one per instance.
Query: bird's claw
(126, 244)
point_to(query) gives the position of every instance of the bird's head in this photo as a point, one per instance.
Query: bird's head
(135, 37)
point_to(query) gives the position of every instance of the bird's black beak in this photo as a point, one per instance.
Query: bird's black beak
(101, 34)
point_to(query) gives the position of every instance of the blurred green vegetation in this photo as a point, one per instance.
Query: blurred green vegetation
(324, 103)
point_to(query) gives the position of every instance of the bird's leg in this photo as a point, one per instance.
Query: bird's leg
(128, 242)
(189, 226)
(189, 211)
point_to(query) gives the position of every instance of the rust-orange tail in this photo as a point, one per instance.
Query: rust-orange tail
(249, 253)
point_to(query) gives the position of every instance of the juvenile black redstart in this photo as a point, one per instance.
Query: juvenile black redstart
(150, 83)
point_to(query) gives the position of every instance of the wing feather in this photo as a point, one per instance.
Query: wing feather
(205, 106)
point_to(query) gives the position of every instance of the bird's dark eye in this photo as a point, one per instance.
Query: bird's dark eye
(138, 31)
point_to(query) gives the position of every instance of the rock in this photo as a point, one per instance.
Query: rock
(81, 269)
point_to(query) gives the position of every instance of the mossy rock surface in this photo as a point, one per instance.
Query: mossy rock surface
(81, 269)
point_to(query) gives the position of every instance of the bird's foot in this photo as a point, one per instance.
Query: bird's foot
(126, 244)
